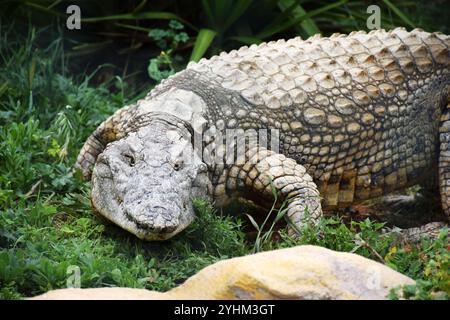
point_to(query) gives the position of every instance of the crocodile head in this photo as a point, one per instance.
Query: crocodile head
(145, 181)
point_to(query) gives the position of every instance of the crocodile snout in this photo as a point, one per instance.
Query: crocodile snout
(153, 218)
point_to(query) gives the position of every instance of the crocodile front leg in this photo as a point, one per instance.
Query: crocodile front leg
(264, 170)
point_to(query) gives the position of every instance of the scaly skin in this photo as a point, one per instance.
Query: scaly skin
(359, 116)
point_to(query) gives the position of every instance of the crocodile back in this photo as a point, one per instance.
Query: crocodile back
(360, 111)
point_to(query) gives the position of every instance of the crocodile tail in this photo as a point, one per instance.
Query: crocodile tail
(108, 131)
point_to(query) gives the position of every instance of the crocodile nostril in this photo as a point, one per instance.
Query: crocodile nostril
(163, 212)
(165, 229)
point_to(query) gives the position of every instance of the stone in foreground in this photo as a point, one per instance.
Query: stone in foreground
(303, 272)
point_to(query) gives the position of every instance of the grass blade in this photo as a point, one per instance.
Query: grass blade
(31, 73)
(133, 27)
(238, 10)
(3, 88)
(156, 15)
(249, 40)
(44, 9)
(288, 24)
(204, 39)
(253, 222)
(399, 13)
(308, 25)
(208, 11)
(140, 6)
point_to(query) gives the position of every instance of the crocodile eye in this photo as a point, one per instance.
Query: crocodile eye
(177, 164)
(129, 159)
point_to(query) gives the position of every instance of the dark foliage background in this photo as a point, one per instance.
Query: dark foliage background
(116, 32)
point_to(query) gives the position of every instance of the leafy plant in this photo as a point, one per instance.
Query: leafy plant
(434, 262)
(168, 40)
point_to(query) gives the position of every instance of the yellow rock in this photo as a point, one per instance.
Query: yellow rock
(303, 272)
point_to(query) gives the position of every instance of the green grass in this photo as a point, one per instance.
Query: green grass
(427, 262)
(46, 224)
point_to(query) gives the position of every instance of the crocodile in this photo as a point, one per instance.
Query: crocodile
(319, 123)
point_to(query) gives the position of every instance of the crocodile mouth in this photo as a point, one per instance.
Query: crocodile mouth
(148, 226)
(142, 230)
